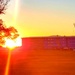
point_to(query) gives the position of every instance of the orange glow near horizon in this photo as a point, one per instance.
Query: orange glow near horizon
(34, 22)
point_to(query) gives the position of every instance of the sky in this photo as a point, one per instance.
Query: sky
(34, 18)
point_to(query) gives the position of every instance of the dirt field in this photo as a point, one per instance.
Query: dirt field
(39, 62)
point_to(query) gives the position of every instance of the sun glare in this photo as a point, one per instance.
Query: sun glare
(9, 43)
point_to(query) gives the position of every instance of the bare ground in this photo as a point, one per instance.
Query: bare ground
(39, 62)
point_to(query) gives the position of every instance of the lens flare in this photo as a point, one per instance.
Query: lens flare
(10, 43)
(8, 63)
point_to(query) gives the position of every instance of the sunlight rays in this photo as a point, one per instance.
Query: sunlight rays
(15, 12)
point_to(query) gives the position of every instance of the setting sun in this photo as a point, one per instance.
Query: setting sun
(9, 43)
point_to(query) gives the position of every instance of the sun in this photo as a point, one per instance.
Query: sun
(11, 44)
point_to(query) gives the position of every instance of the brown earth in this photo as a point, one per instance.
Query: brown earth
(39, 62)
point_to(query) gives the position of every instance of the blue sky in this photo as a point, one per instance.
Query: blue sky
(49, 3)
(67, 6)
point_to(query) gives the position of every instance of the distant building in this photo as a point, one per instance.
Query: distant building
(47, 43)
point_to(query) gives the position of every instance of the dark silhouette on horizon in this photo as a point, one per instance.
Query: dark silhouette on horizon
(48, 43)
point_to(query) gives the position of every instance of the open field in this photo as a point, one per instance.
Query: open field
(39, 62)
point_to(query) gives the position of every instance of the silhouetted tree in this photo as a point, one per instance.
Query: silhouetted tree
(7, 32)
(3, 4)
